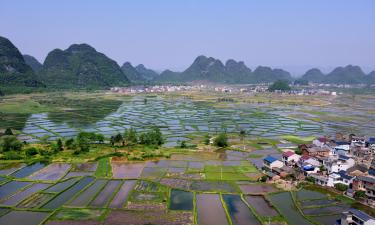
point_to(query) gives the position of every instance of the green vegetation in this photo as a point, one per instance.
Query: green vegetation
(221, 140)
(279, 85)
(104, 168)
(297, 139)
(341, 187)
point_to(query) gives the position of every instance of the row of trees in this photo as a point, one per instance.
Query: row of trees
(130, 137)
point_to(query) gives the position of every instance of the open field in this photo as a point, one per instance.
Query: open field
(168, 184)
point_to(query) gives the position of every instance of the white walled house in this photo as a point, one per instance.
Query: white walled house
(270, 162)
(290, 158)
(341, 163)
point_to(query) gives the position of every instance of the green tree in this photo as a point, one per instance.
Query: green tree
(83, 142)
(59, 146)
(10, 143)
(31, 151)
(341, 187)
(130, 136)
(280, 85)
(221, 140)
(183, 144)
(153, 137)
(8, 131)
(69, 143)
(119, 139)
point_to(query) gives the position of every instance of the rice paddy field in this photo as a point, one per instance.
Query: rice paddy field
(179, 190)
(198, 185)
(183, 116)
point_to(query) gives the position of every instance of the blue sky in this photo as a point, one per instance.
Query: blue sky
(290, 34)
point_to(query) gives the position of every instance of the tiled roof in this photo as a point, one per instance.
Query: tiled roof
(288, 153)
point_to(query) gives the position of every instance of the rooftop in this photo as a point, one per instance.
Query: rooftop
(359, 214)
(270, 159)
(288, 154)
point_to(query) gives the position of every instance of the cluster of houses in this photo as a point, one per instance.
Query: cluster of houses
(346, 160)
(155, 89)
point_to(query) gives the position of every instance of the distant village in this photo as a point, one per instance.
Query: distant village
(345, 162)
(261, 88)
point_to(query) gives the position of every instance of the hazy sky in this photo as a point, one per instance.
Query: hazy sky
(291, 34)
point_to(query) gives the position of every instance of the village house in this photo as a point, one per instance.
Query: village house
(355, 217)
(358, 141)
(341, 148)
(367, 184)
(332, 179)
(340, 163)
(314, 151)
(371, 143)
(270, 162)
(320, 142)
(310, 166)
(290, 158)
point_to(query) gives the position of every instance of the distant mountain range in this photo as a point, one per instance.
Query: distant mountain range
(81, 66)
(209, 69)
(340, 75)
(138, 74)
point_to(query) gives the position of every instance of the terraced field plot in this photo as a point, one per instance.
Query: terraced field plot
(137, 192)
(178, 118)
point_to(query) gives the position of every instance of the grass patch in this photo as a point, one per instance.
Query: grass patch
(78, 214)
(104, 168)
(297, 139)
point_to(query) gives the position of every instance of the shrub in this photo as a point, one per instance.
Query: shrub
(8, 131)
(10, 143)
(12, 155)
(69, 144)
(221, 140)
(44, 152)
(359, 194)
(341, 187)
(263, 178)
(31, 151)
(310, 179)
(183, 144)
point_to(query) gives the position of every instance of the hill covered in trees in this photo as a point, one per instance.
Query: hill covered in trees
(81, 66)
(15, 74)
(341, 75)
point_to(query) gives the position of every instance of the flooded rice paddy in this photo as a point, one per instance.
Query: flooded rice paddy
(178, 118)
(172, 197)
(188, 188)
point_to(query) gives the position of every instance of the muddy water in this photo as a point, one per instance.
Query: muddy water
(120, 199)
(87, 195)
(26, 171)
(239, 212)
(181, 200)
(17, 198)
(123, 170)
(210, 210)
(23, 218)
(11, 187)
(62, 185)
(51, 172)
(261, 205)
(105, 195)
(68, 194)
